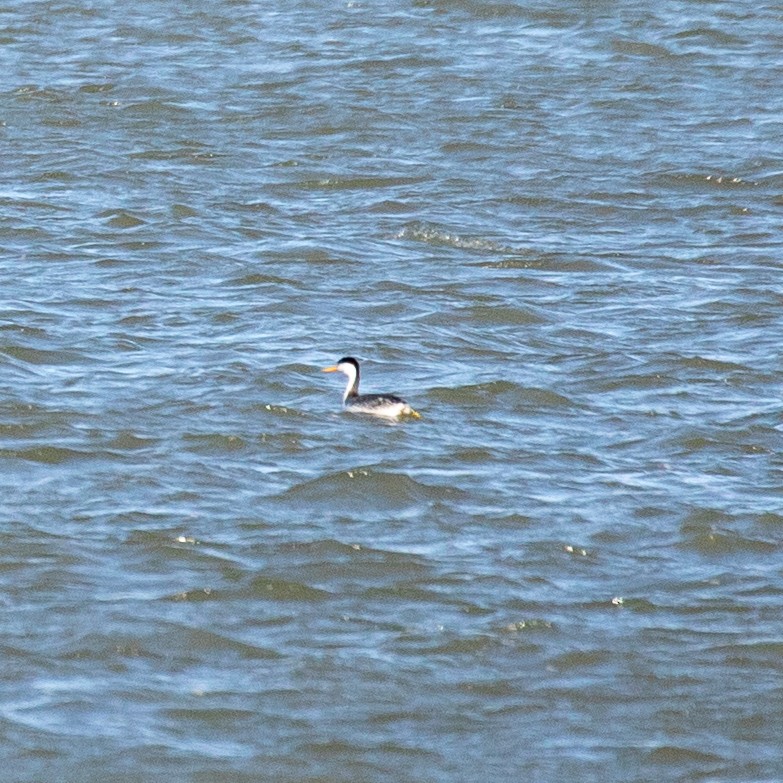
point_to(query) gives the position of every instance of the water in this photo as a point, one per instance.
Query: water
(554, 228)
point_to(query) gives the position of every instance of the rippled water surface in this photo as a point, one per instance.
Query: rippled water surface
(555, 228)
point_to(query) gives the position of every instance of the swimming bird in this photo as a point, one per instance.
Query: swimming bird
(388, 405)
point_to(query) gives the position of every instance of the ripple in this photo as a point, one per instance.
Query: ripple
(257, 279)
(213, 443)
(366, 486)
(506, 393)
(353, 183)
(54, 455)
(39, 356)
(183, 642)
(122, 219)
(675, 755)
(434, 235)
(274, 589)
(129, 441)
(699, 180)
(211, 717)
(638, 48)
(726, 542)
(710, 365)
(554, 262)
(580, 659)
(506, 316)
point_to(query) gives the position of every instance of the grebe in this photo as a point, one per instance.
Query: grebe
(388, 405)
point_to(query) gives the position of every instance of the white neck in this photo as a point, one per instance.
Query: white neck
(353, 385)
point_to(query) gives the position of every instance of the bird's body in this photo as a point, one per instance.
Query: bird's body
(387, 405)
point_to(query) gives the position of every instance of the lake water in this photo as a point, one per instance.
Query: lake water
(555, 228)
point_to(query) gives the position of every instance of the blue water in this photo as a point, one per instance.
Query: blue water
(553, 228)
